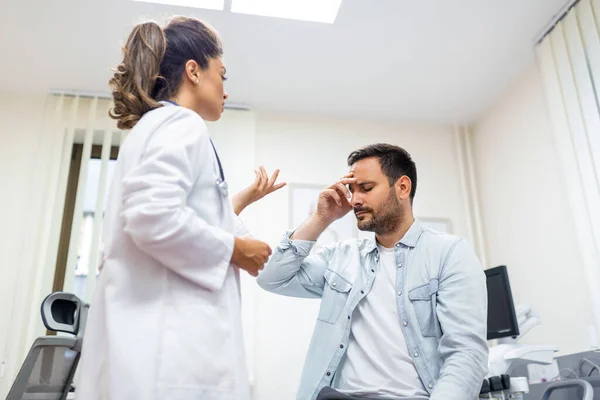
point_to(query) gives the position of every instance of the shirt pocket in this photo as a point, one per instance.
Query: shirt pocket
(335, 295)
(424, 301)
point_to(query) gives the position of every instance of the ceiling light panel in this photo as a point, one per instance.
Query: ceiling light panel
(206, 4)
(324, 11)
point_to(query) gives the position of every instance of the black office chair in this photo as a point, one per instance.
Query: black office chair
(48, 369)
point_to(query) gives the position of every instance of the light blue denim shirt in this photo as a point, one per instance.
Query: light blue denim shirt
(441, 303)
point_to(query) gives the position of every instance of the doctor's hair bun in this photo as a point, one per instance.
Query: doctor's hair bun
(135, 78)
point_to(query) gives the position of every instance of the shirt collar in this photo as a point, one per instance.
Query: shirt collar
(409, 239)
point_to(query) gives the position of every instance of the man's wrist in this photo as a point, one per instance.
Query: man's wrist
(319, 222)
(311, 229)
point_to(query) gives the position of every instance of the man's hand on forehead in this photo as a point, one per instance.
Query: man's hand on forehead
(347, 180)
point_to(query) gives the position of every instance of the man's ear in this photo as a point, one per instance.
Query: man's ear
(403, 187)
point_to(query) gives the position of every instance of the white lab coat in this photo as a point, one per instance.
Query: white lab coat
(164, 322)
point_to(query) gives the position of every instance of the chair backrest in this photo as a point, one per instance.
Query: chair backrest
(48, 369)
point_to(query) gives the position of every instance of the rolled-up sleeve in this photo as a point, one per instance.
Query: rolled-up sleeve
(462, 313)
(294, 271)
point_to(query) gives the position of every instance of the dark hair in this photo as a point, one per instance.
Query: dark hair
(153, 63)
(395, 162)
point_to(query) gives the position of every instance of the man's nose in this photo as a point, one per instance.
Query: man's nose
(356, 200)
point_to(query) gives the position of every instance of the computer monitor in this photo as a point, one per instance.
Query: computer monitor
(502, 320)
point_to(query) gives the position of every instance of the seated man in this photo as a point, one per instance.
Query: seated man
(403, 315)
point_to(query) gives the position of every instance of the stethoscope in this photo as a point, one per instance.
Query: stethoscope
(221, 183)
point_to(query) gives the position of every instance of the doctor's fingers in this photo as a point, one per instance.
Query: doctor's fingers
(258, 177)
(271, 186)
(273, 177)
(254, 270)
(260, 259)
(264, 178)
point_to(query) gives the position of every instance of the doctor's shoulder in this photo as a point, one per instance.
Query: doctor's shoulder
(173, 122)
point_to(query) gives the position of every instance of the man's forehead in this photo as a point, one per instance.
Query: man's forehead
(366, 166)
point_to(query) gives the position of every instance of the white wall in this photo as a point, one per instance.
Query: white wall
(314, 150)
(525, 214)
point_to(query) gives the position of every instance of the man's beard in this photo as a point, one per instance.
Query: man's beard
(386, 219)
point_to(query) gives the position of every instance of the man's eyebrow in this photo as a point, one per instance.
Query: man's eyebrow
(364, 183)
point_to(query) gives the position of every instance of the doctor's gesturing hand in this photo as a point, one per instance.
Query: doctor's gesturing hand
(248, 253)
(262, 186)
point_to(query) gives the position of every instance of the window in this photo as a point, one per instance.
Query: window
(87, 225)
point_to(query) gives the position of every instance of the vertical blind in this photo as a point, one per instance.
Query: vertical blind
(569, 61)
(80, 121)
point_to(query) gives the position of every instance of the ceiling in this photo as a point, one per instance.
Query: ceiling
(438, 61)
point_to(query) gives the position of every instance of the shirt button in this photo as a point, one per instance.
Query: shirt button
(362, 292)
(397, 244)
(430, 386)
(334, 284)
(372, 270)
(400, 293)
(416, 354)
(348, 317)
(329, 374)
(400, 265)
(405, 323)
(341, 346)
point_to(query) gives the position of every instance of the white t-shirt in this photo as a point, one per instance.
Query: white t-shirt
(377, 363)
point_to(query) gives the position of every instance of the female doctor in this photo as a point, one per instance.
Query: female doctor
(165, 319)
